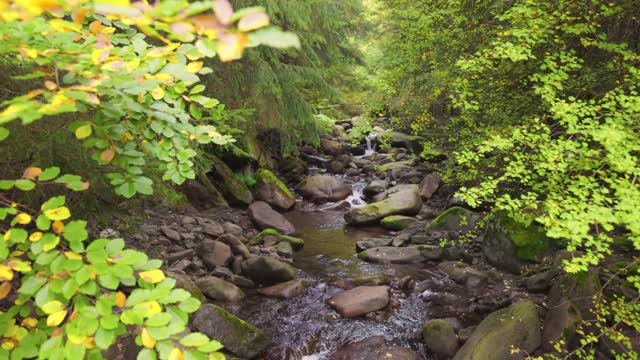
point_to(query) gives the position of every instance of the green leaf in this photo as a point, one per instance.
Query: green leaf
(110, 322)
(6, 184)
(114, 247)
(84, 131)
(4, 133)
(189, 305)
(25, 184)
(195, 340)
(144, 185)
(75, 231)
(159, 319)
(274, 37)
(105, 338)
(146, 354)
(211, 346)
(49, 173)
(53, 203)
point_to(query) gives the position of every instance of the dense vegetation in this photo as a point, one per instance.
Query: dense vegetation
(534, 104)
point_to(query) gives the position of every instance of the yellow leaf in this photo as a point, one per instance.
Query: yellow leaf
(253, 21)
(5, 288)
(36, 236)
(52, 245)
(147, 340)
(157, 93)
(7, 235)
(50, 85)
(194, 67)
(58, 226)
(76, 339)
(176, 354)
(52, 307)
(64, 26)
(72, 256)
(56, 318)
(84, 131)
(107, 155)
(90, 342)
(31, 173)
(121, 299)
(6, 274)
(23, 218)
(99, 55)
(150, 308)
(115, 65)
(8, 344)
(61, 213)
(152, 276)
(29, 322)
(231, 46)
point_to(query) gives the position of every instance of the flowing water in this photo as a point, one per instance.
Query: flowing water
(305, 327)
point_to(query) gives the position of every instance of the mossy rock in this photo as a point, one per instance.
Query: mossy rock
(234, 190)
(234, 156)
(271, 189)
(517, 326)
(295, 242)
(183, 281)
(237, 335)
(455, 219)
(397, 222)
(508, 245)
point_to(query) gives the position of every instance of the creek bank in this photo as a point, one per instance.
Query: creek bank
(426, 275)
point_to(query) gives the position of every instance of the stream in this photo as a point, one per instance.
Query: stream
(304, 327)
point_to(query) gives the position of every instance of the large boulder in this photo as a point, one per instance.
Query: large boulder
(429, 185)
(464, 274)
(509, 245)
(237, 335)
(264, 217)
(375, 187)
(322, 188)
(219, 289)
(409, 142)
(440, 337)
(215, 253)
(404, 202)
(402, 255)
(267, 270)
(202, 193)
(235, 190)
(517, 326)
(396, 169)
(571, 301)
(360, 300)
(332, 147)
(370, 243)
(373, 348)
(272, 190)
(259, 238)
(286, 290)
(455, 219)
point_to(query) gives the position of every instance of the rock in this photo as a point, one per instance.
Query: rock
(397, 222)
(370, 243)
(455, 219)
(214, 253)
(264, 217)
(429, 185)
(180, 255)
(218, 289)
(213, 229)
(508, 245)
(273, 191)
(375, 187)
(541, 282)
(335, 167)
(237, 336)
(236, 245)
(371, 280)
(570, 302)
(242, 282)
(409, 142)
(465, 334)
(109, 234)
(358, 150)
(183, 281)
(188, 220)
(360, 300)
(323, 188)
(514, 327)
(284, 249)
(402, 255)
(463, 274)
(233, 229)
(234, 189)
(352, 172)
(202, 193)
(170, 233)
(373, 348)
(440, 337)
(234, 156)
(340, 205)
(397, 167)
(267, 270)
(286, 290)
(259, 238)
(331, 147)
(405, 202)
(150, 229)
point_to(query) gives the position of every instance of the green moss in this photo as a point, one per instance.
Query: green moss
(455, 219)
(529, 241)
(240, 327)
(268, 177)
(295, 242)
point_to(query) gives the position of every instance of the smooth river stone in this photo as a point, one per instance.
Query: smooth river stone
(359, 301)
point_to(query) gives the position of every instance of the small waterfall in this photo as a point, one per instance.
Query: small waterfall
(370, 147)
(356, 199)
